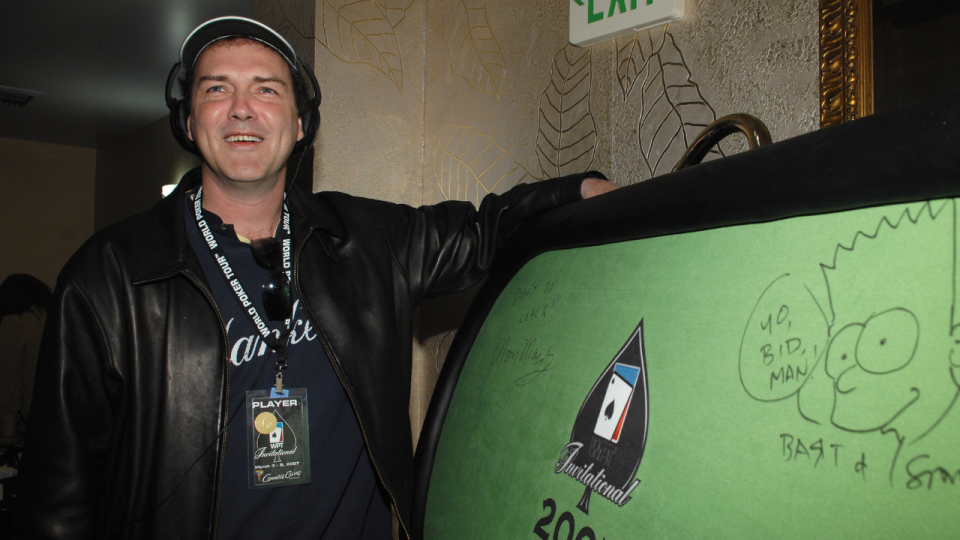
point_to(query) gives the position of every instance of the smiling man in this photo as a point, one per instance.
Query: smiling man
(235, 362)
(244, 122)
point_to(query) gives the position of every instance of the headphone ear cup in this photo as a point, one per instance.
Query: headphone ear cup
(178, 125)
(310, 125)
(309, 118)
(178, 114)
(179, 120)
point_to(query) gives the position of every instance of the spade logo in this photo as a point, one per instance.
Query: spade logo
(620, 391)
(610, 431)
(276, 439)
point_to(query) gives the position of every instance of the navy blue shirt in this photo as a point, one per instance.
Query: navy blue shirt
(343, 500)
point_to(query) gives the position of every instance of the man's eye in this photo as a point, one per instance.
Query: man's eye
(266, 90)
(215, 89)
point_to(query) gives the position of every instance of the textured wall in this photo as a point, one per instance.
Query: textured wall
(763, 61)
(429, 100)
(628, 107)
(47, 205)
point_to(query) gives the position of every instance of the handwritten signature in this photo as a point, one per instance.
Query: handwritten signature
(529, 354)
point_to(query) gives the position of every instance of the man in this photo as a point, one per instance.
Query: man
(196, 385)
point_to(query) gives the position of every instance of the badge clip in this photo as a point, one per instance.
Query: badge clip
(277, 390)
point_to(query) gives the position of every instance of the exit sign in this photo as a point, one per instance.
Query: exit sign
(593, 21)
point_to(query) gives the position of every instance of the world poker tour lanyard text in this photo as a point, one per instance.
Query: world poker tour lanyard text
(278, 344)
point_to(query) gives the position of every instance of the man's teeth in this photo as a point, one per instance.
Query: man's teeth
(243, 138)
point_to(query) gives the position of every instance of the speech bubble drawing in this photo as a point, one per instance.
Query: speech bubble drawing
(783, 341)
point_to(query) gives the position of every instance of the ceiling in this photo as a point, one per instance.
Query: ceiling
(101, 64)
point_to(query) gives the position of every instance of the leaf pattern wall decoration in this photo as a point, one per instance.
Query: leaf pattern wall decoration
(632, 57)
(474, 52)
(468, 165)
(394, 10)
(359, 32)
(297, 24)
(567, 137)
(355, 31)
(673, 111)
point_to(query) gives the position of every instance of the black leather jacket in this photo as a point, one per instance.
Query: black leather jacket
(128, 423)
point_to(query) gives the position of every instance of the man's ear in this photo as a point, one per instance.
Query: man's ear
(189, 131)
(299, 127)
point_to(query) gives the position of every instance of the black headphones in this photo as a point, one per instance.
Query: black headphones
(309, 118)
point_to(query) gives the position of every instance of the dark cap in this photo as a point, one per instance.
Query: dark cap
(228, 27)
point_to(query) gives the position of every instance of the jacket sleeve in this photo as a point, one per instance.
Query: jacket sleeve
(450, 246)
(70, 421)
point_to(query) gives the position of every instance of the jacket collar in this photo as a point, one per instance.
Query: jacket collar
(164, 248)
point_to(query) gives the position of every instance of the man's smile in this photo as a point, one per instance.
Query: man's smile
(242, 138)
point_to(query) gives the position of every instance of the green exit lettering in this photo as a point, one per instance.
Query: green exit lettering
(616, 6)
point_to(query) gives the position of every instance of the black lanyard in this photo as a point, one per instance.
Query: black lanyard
(278, 344)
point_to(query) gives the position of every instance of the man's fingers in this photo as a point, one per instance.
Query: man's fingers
(591, 187)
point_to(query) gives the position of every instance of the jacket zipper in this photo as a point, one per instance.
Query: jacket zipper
(336, 370)
(224, 404)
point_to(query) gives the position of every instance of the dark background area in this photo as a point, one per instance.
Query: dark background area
(916, 50)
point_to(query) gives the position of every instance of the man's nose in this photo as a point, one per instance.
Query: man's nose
(240, 107)
(842, 354)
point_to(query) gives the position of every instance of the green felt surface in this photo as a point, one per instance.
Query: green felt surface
(734, 448)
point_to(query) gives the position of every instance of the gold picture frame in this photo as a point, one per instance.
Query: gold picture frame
(846, 60)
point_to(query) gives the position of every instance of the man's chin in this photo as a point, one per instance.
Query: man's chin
(245, 175)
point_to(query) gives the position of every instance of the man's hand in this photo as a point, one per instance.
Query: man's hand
(591, 187)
